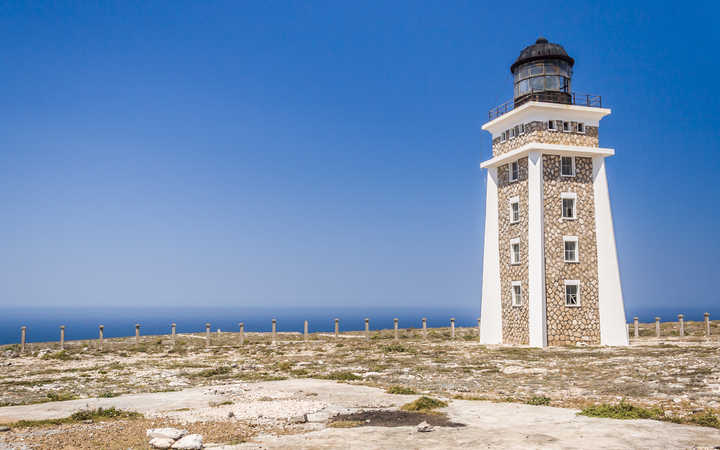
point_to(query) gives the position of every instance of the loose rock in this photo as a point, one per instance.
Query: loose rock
(4, 428)
(166, 433)
(424, 427)
(189, 442)
(161, 442)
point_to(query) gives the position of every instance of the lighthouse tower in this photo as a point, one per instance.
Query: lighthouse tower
(550, 269)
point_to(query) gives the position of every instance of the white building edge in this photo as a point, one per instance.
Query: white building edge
(613, 330)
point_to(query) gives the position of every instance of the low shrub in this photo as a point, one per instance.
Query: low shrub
(622, 410)
(221, 370)
(423, 404)
(401, 390)
(538, 401)
(342, 376)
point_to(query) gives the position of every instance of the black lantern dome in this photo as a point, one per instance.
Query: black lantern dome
(542, 72)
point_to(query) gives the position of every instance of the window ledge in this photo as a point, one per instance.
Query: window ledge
(572, 262)
(572, 306)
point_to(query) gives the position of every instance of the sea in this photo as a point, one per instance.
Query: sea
(43, 324)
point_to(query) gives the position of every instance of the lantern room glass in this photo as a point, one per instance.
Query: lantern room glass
(542, 76)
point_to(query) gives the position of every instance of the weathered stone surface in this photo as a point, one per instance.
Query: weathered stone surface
(570, 325)
(189, 442)
(538, 132)
(161, 442)
(169, 433)
(515, 318)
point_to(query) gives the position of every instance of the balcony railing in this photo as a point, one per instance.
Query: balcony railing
(548, 97)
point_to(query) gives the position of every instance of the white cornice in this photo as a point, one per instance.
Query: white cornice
(553, 149)
(542, 111)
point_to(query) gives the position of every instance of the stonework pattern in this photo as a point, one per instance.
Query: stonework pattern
(515, 322)
(568, 325)
(537, 132)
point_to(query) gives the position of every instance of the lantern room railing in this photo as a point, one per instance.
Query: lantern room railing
(594, 101)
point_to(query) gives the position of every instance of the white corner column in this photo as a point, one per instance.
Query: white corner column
(536, 253)
(611, 304)
(491, 308)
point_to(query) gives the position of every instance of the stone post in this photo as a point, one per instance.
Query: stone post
(367, 328)
(337, 327)
(100, 336)
(207, 334)
(305, 331)
(62, 337)
(242, 333)
(682, 325)
(23, 334)
(137, 333)
(452, 328)
(707, 324)
(637, 326)
(173, 327)
(478, 328)
(657, 327)
(274, 331)
(395, 322)
(424, 322)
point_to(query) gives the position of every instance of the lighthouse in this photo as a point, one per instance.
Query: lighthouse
(550, 266)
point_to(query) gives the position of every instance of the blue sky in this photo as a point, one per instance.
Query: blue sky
(327, 153)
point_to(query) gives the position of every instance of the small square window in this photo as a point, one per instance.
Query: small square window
(568, 206)
(515, 251)
(567, 166)
(514, 170)
(522, 128)
(516, 293)
(512, 132)
(551, 125)
(514, 210)
(570, 244)
(572, 293)
(517, 130)
(580, 127)
(566, 126)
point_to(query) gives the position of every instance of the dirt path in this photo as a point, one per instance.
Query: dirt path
(487, 424)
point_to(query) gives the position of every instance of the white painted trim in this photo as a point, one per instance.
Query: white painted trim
(572, 164)
(514, 201)
(510, 170)
(515, 302)
(515, 261)
(537, 325)
(568, 196)
(542, 112)
(577, 249)
(577, 296)
(612, 307)
(553, 149)
(491, 306)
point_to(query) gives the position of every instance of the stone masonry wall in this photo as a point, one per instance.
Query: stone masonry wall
(515, 320)
(537, 132)
(570, 325)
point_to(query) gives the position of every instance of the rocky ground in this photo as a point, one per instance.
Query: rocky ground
(202, 386)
